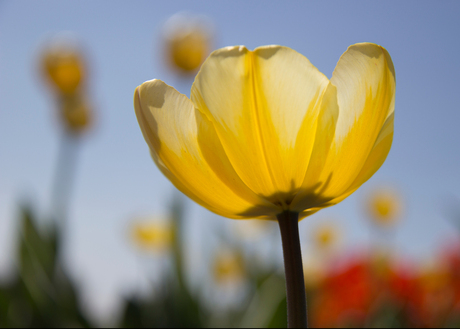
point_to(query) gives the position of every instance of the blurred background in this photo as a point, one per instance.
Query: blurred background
(92, 234)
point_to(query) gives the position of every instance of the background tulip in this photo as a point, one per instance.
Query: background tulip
(384, 206)
(76, 113)
(63, 65)
(187, 41)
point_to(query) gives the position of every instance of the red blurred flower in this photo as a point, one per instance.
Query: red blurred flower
(344, 297)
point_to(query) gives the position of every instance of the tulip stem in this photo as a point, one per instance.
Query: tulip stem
(63, 180)
(295, 284)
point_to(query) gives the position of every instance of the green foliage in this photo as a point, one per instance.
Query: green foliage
(40, 294)
(173, 305)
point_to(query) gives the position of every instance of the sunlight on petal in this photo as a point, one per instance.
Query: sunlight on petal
(265, 132)
(365, 82)
(267, 135)
(168, 121)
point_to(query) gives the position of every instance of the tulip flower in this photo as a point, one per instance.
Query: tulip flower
(187, 41)
(266, 135)
(76, 113)
(384, 207)
(153, 235)
(64, 66)
(228, 266)
(326, 237)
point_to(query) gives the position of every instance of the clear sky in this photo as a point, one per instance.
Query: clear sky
(116, 177)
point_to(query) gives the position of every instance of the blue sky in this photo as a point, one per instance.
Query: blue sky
(116, 177)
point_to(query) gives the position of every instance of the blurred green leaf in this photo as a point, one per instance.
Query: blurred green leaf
(279, 317)
(169, 306)
(38, 251)
(41, 294)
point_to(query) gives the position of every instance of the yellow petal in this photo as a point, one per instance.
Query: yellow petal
(310, 195)
(173, 129)
(308, 212)
(64, 65)
(375, 160)
(263, 105)
(365, 81)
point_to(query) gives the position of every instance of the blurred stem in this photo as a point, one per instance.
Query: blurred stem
(63, 180)
(295, 284)
(177, 215)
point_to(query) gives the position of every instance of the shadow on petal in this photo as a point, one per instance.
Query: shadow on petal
(313, 201)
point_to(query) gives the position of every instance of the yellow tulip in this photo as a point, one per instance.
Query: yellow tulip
(228, 266)
(188, 51)
(76, 114)
(187, 41)
(64, 66)
(153, 235)
(384, 207)
(265, 132)
(326, 236)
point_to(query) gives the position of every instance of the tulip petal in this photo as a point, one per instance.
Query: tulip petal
(365, 81)
(263, 105)
(173, 129)
(310, 195)
(375, 160)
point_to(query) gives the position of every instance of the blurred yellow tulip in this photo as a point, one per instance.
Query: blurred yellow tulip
(265, 132)
(384, 206)
(228, 266)
(154, 236)
(187, 41)
(76, 114)
(63, 65)
(326, 236)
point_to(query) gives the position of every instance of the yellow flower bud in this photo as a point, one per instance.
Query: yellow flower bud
(325, 237)
(228, 266)
(63, 66)
(384, 207)
(187, 41)
(76, 114)
(153, 235)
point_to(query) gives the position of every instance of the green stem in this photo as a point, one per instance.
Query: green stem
(177, 211)
(295, 284)
(63, 182)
